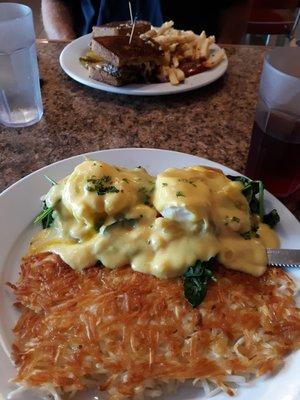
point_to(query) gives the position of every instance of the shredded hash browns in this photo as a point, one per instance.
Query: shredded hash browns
(141, 333)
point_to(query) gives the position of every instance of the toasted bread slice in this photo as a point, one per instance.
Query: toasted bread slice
(103, 76)
(119, 76)
(117, 51)
(120, 28)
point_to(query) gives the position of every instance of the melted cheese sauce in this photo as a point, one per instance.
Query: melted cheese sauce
(159, 225)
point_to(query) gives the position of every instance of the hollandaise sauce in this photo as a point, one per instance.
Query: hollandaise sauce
(159, 225)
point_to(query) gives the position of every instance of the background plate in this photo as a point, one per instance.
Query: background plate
(69, 61)
(20, 203)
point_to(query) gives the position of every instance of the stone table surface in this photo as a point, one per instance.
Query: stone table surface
(214, 122)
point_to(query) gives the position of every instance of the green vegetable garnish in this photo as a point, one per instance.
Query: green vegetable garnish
(101, 186)
(179, 194)
(195, 281)
(187, 181)
(272, 218)
(50, 180)
(145, 195)
(98, 224)
(241, 179)
(250, 235)
(45, 216)
(250, 190)
(254, 193)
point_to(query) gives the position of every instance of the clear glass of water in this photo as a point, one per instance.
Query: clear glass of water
(20, 94)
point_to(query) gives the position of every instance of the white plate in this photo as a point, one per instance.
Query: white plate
(69, 61)
(20, 203)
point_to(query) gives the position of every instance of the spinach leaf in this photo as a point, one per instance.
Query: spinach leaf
(45, 217)
(98, 224)
(254, 193)
(195, 281)
(241, 179)
(250, 191)
(272, 218)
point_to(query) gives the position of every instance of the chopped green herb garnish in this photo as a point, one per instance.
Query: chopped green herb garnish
(145, 195)
(125, 180)
(164, 184)
(250, 235)
(195, 281)
(187, 181)
(101, 185)
(180, 194)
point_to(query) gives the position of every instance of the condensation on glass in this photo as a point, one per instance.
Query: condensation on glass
(20, 94)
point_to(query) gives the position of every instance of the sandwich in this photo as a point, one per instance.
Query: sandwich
(121, 28)
(122, 62)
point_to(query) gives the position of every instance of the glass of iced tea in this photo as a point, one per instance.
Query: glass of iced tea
(274, 155)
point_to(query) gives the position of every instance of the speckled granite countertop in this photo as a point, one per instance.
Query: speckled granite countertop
(213, 122)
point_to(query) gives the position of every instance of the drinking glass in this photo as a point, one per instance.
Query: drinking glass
(20, 94)
(274, 155)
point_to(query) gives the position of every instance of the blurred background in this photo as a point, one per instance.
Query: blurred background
(35, 5)
(269, 22)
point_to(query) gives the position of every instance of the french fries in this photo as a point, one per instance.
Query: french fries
(214, 59)
(179, 45)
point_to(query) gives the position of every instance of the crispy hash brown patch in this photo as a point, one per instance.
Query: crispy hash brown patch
(140, 331)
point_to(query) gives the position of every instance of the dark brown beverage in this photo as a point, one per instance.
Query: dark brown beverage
(275, 162)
